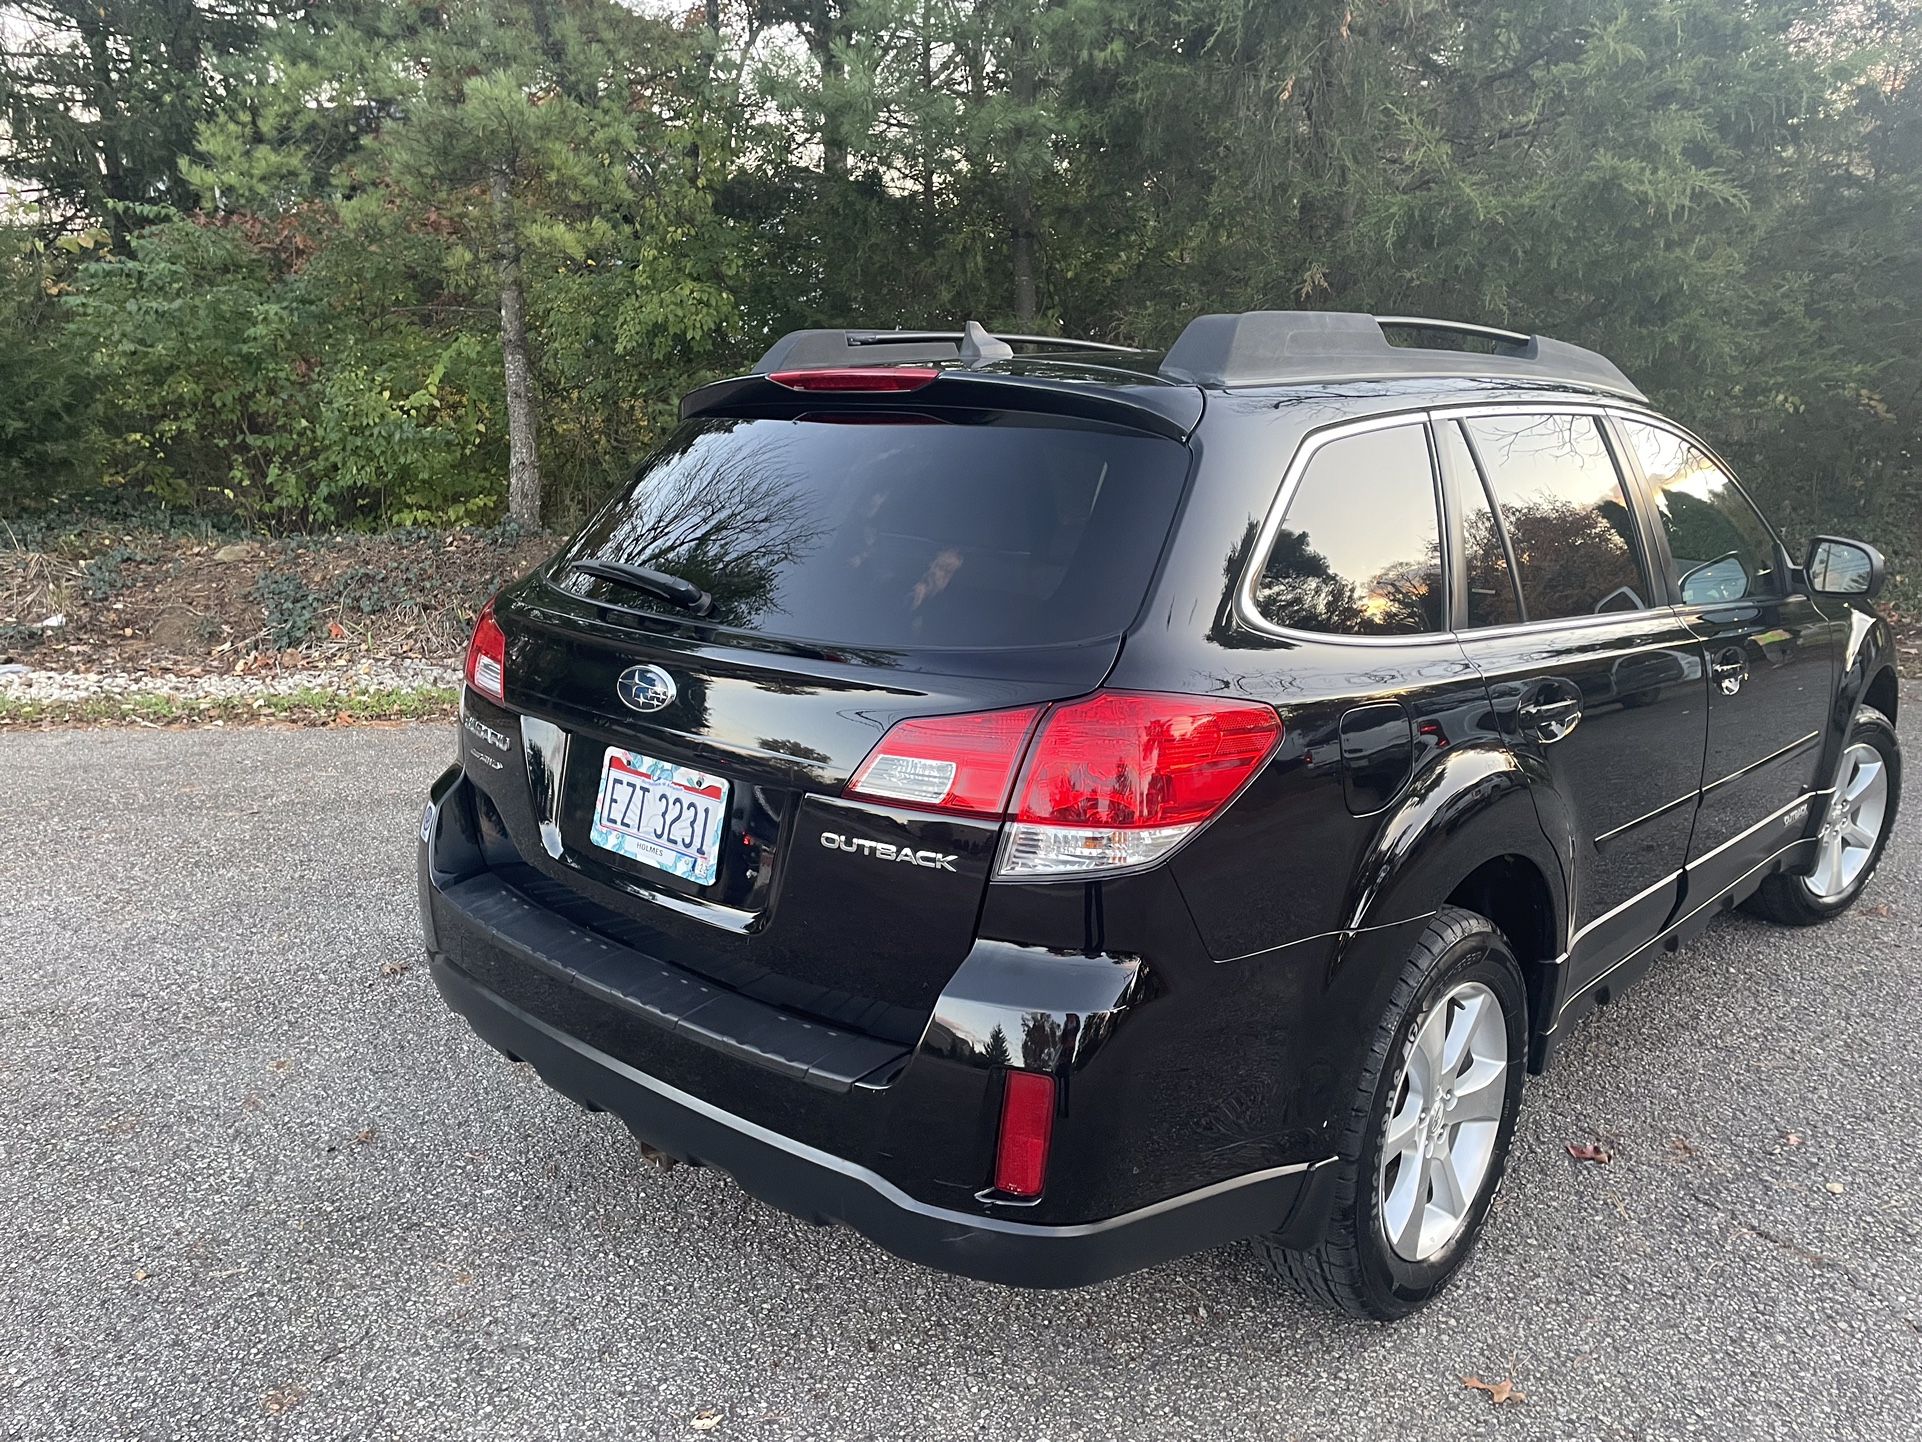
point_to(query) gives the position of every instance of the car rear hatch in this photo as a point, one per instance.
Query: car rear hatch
(980, 543)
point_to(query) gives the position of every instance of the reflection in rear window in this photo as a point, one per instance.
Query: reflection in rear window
(914, 532)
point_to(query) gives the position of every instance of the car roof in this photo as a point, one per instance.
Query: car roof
(1227, 352)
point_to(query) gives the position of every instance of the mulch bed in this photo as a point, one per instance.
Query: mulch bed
(156, 604)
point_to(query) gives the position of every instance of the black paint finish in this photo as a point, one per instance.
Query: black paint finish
(832, 1026)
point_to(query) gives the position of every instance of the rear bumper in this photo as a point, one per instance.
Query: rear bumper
(819, 1187)
(837, 1126)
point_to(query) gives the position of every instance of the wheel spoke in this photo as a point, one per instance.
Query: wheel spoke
(1425, 1060)
(1403, 1130)
(1825, 880)
(1402, 1208)
(1856, 834)
(1462, 1027)
(1451, 1194)
(1480, 1092)
(1867, 773)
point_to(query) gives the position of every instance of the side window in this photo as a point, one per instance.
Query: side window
(1567, 516)
(1359, 549)
(1723, 550)
(1492, 598)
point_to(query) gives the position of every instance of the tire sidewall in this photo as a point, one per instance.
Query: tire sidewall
(1874, 729)
(1400, 1286)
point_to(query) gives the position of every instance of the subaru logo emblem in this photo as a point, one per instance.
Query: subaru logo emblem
(645, 688)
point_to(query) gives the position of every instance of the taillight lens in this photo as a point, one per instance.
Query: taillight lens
(1027, 1127)
(487, 656)
(857, 378)
(1120, 778)
(964, 765)
(1112, 781)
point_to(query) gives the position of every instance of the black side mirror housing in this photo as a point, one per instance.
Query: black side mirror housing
(1838, 566)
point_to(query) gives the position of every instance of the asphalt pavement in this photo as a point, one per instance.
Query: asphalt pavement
(256, 1181)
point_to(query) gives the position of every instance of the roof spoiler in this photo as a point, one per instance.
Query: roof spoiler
(1278, 347)
(973, 344)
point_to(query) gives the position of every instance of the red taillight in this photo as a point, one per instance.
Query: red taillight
(1121, 758)
(1027, 1126)
(857, 378)
(1117, 779)
(487, 656)
(959, 764)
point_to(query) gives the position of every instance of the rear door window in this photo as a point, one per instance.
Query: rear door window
(1566, 514)
(866, 531)
(1359, 549)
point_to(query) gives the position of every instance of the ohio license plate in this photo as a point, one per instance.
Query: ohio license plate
(660, 814)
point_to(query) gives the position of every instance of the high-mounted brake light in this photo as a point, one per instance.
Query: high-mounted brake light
(487, 656)
(1027, 1127)
(963, 765)
(857, 378)
(1112, 781)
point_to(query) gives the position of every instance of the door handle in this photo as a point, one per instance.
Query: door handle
(1550, 721)
(1730, 670)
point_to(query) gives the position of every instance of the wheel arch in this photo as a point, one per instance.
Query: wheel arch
(1882, 692)
(1468, 834)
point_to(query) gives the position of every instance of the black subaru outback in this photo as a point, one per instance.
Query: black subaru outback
(1055, 811)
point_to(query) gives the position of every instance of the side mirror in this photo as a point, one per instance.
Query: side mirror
(1838, 566)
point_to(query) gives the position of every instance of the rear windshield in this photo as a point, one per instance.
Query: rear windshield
(901, 532)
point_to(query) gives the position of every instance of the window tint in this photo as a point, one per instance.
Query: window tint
(1491, 586)
(1565, 511)
(1359, 550)
(1014, 532)
(1723, 550)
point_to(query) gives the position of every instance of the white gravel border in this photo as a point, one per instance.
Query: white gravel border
(357, 679)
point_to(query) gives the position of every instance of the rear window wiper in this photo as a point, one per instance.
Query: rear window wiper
(675, 589)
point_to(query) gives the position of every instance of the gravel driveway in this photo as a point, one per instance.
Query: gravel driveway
(255, 1181)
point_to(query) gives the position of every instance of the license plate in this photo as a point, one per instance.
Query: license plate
(660, 814)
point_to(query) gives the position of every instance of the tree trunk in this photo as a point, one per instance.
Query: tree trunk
(823, 30)
(1021, 190)
(523, 452)
(1024, 296)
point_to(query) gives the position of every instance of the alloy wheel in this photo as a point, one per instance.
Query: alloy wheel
(1439, 1144)
(1852, 824)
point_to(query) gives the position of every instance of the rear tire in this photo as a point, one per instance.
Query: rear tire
(1382, 1255)
(1790, 900)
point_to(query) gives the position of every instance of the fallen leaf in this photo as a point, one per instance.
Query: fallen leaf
(1882, 911)
(279, 1399)
(1681, 1146)
(335, 630)
(365, 1136)
(1590, 1152)
(395, 968)
(1834, 1189)
(1498, 1392)
(706, 1420)
(1793, 1139)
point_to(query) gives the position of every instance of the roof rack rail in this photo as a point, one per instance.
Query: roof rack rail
(1281, 347)
(820, 349)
